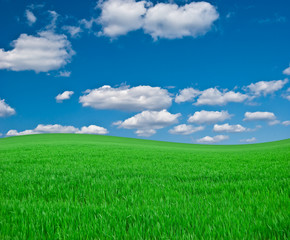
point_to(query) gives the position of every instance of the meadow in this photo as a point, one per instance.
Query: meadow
(65, 186)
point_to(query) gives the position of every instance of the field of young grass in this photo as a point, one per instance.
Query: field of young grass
(64, 186)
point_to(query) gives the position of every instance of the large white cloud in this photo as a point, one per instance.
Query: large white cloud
(168, 20)
(127, 99)
(186, 95)
(5, 109)
(215, 139)
(118, 17)
(209, 117)
(42, 53)
(259, 116)
(184, 129)
(266, 87)
(229, 128)
(56, 128)
(64, 96)
(147, 122)
(213, 96)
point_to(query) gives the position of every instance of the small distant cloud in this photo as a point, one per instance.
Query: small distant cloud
(287, 71)
(64, 74)
(201, 117)
(184, 129)
(249, 140)
(276, 19)
(215, 139)
(64, 96)
(259, 116)
(74, 31)
(30, 17)
(229, 128)
(286, 123)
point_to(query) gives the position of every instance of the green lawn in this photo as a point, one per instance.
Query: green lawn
(65, 186)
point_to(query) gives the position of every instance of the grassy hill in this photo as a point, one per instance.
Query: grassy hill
(65, 186)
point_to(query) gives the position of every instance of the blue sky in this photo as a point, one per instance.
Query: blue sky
(212, 72)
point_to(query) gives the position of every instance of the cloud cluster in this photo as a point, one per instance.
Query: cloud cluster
(229, 128)
(42, 53)
(163, 20)
(184, 129)
(147, 122)
(56, 128)
(201, 117)
(127, 99)
(5, 109)
(215, 139)
(64, 96)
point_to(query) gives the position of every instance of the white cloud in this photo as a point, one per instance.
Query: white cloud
(145, 132)
(259, 116)
(274, 122)
(286, 123)
(5, 109)
(209, 117)
(64, 74)
(93, 129)
(287, 94)
(249, 140)
(56, 128)
(212, 96)
(229, 128)
(42, 53)
(64, 96)
(167, 20)
(187, 94)
(74, 31)
(147, 122)
(127, 99)
(118, 17)
(30, 17)
(266, 87)
(184, 129)
(287, 71)
(215, 139)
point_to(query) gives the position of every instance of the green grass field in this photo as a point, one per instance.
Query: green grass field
(64, 186)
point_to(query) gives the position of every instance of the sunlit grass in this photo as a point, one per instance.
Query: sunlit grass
(63, 186)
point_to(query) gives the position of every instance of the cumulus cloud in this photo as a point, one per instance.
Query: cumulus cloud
(64, 96)
(56, 128)
(213, 96)
(5, 109)
(215, 139)
(286, 123)
(118, 17)
(274, 122)
(168, 20)
(127, 99)
(209, 117)
(259, 116)
(163, 20)
(266, 87)
(229, 128)
(42, 53)
(249, 140)
(287, 71)
(187, 94)
(147, 122)
(30, 17)
(184, 129)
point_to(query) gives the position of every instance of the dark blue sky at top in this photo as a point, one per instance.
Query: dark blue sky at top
(250, 42)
